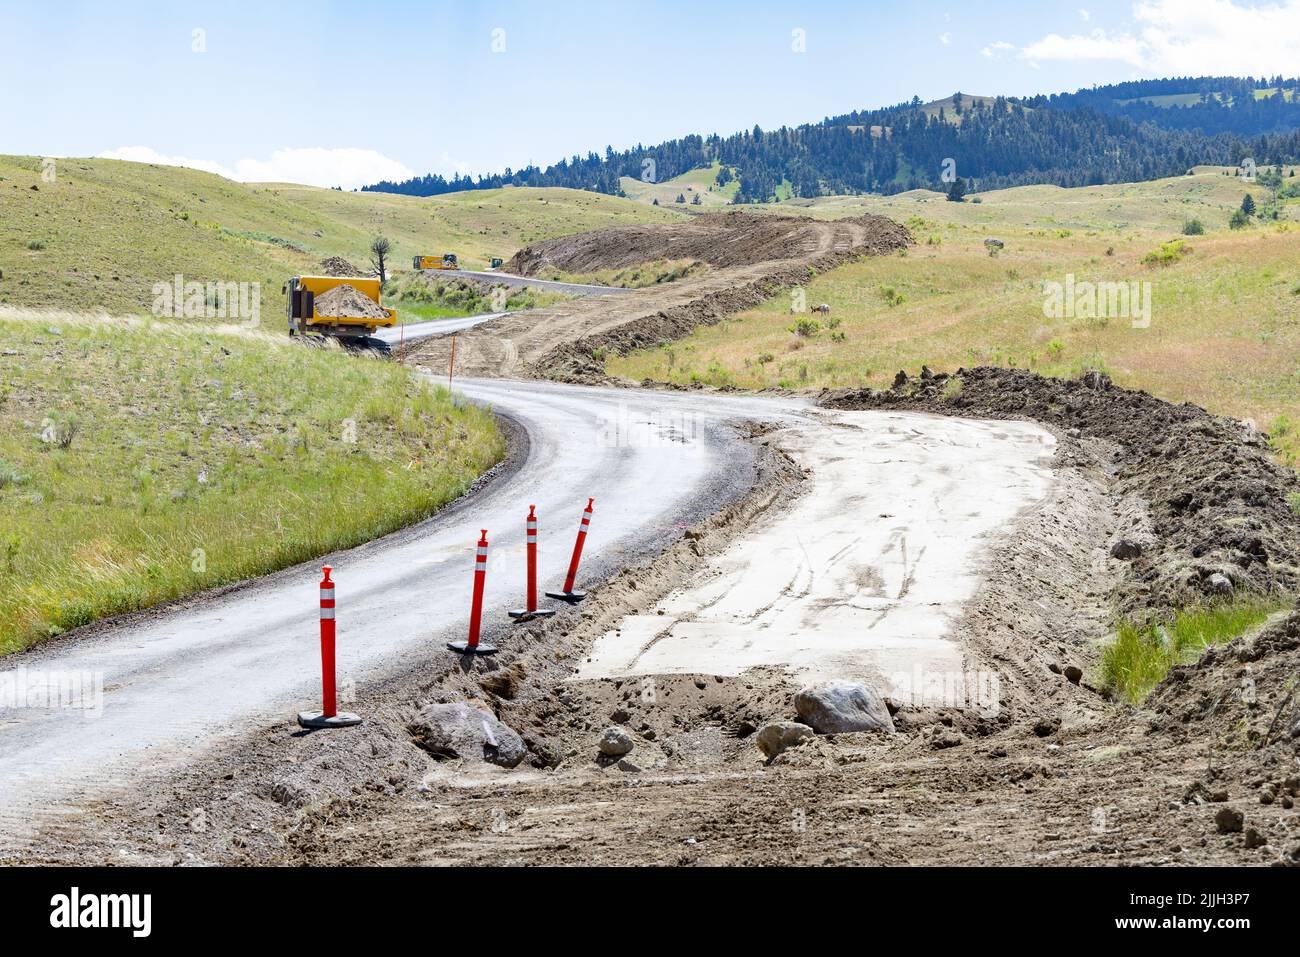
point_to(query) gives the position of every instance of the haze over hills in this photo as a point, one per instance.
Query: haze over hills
(1125, 132)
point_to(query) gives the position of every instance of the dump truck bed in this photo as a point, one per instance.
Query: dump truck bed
(368, 287)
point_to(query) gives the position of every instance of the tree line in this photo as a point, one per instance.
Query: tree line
(1103, 135)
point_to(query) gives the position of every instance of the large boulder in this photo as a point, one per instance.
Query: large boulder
(614, 742)
(839, 707)
(461, 730)
(776, 737)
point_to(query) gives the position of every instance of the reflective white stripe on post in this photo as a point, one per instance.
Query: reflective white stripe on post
(326, 613)
(327, 594)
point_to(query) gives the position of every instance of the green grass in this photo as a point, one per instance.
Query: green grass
(101, 234)
(1142, 653)
(702, 181)
(418, 297)
(633, 277)
(197, 456)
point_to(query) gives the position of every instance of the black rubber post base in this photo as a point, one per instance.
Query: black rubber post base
(572, 597)
(523, 614)
(317, 719)
(464, 648)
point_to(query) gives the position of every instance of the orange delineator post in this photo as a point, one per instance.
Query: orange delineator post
(569, 594)
(328, 716)
(472, 646)
(532, 611)
(329, 702)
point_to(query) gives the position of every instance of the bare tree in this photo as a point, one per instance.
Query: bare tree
(380, 246)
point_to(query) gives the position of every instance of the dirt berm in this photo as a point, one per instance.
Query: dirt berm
(1200, 498)
(750, 257)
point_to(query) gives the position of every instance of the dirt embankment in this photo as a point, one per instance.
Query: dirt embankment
(1200, 498)
(751, 258)
(722, 240)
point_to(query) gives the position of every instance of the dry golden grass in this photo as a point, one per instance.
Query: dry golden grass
(1225, 321)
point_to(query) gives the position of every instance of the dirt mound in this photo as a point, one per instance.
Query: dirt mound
(338, 266)
(1202, 495)
(722, 240)
(567, 342)
(346, 302)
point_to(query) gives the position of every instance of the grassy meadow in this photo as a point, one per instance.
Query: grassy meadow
(103, 232)
(142, 460)
(1225, 306)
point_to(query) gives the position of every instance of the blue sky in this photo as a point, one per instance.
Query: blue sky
(346, 92)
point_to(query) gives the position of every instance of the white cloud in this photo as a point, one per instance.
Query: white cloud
(1084, 15)
(1190, 37)
(1095, 46)
(945, 38)
(315, 166)
(997, 48)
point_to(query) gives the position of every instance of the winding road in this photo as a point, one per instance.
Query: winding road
(892, 527)
(178, 680)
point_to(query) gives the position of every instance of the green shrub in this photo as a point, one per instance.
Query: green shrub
(36, 245)
(805, 327)
(1193, 227)
(1168, 253)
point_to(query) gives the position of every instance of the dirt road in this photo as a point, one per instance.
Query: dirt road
(749, 258)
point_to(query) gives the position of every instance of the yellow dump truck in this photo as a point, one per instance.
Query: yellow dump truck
(361, 319)
(446, 261)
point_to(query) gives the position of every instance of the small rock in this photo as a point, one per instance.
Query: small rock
(1046, 726)
(615, 742)
(1254, 838)
(840, 707)
(620, 716)
(625, 765)
(927, 373)
(1125, 549)
(776, 737)
(1295, 730)
(947, 738)
(900, 380)
(1228, 820)
(1073, 674)
(1218, 584)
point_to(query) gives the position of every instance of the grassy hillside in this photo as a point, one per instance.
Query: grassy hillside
(1225, 323)
(105, 231)
(143, 460)
(700, 181)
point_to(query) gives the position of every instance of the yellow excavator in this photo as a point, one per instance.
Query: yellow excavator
(446, 261)
(306, 319)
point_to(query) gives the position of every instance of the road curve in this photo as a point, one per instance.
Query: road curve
(508, 279)
(180, 679)
(414, 331)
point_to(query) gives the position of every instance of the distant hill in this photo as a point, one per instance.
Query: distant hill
(103, 232)
(1126, 132)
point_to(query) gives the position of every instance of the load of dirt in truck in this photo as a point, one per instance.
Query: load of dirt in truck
(346, 302)
(721, 240)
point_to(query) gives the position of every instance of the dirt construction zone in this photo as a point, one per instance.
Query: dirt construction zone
(872, 632)
(745, 259)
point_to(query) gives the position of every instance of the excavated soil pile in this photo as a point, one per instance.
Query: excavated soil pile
(338, 266)
(346, 302)
(567, 341)
(1206, 508)
(720, 239)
